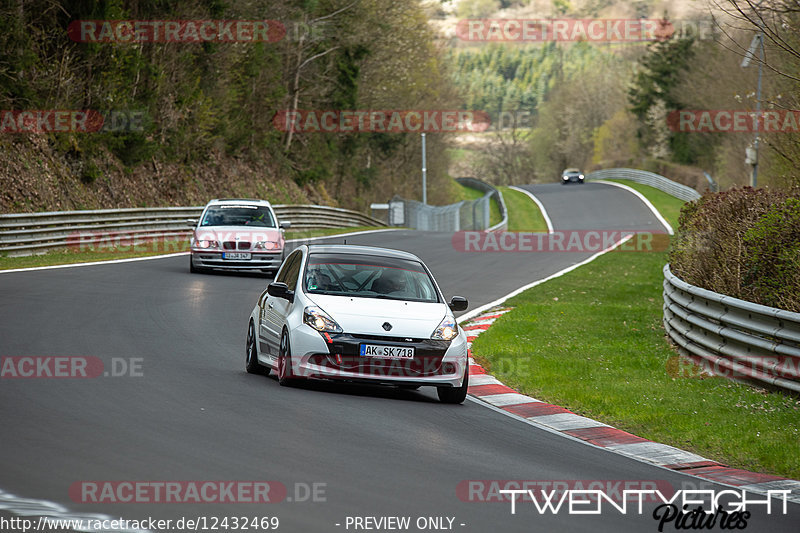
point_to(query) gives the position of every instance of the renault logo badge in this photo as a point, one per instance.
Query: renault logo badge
(386, 326)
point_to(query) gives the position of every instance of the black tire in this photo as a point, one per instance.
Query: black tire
(455, 394)
(251, 363)
(285, 372)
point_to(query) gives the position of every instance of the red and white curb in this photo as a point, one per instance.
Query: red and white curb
(492, 391)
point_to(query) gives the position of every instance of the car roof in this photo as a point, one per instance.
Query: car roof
(356, 249)
(571, 170)
(234, 201)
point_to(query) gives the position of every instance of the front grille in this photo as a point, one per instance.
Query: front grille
(233, 245)
(376, 368)
(386, 338)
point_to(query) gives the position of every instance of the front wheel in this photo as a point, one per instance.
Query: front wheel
(455, 394)
(285, 374)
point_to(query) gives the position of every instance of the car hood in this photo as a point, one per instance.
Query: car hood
(243, 233)
(366, 316)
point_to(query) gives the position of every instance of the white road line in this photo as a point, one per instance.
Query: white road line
(340, 235)
(541, 207)
(164, 256)
(110, 262)
(641, 197)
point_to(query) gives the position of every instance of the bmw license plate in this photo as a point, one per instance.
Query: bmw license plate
(236, 255)
(388, 352)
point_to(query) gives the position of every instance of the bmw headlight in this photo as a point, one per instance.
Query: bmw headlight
(205, 244)
(266, 245)
(319, 320)
(447, 329)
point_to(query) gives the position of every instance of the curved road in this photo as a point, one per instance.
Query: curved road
(195, 414)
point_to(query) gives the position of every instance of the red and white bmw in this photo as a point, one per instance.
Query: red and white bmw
(358, 313)
(237, 234)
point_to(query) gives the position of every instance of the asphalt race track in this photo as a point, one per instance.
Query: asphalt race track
(192, 413)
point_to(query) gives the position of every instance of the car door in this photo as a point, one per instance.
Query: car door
(274, 310)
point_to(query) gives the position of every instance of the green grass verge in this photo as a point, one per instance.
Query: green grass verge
(523, 213)
(467, 194)
(65, 257)
(599, 349)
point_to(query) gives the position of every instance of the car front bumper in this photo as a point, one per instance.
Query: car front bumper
(258, 260)
(336, 356)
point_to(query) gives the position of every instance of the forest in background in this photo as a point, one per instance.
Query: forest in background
(604, 105)
(209, 107)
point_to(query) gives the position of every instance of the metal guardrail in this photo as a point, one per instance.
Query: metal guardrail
(498, 196)
(731, 337)
(644, 177)
(29, 233)
(460, 216)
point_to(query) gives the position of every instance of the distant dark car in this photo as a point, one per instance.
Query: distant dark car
(571, 175)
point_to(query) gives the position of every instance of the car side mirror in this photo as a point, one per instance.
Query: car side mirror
(192, 223)
(279, 289)
(285, 225)
(458, 303)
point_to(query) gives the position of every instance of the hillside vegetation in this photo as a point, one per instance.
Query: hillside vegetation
(601, 104)
(208, 107)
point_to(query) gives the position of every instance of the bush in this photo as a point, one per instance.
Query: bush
(744, 243)
(773, 260)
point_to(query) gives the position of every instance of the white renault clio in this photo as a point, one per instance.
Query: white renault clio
(358, 313)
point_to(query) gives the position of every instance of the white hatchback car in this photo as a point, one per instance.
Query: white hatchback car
(361, 314)
(237, 234)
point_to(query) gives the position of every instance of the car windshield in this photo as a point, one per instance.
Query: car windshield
(368, 276)
(239, 215)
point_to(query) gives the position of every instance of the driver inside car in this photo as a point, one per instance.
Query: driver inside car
(390, 281)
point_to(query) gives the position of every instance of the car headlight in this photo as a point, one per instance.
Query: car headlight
(565, 178)
(266, 245)
(206, 244)
(447, 329)
(319, 320)
(580, 177)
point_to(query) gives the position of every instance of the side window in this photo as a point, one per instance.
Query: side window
(287, 267)
(293, 271)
